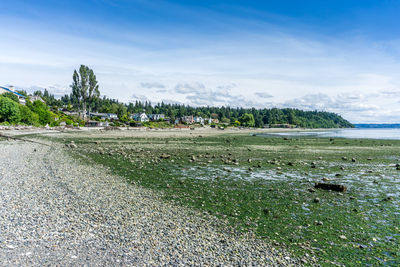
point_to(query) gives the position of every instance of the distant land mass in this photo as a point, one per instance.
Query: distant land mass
(386, 125)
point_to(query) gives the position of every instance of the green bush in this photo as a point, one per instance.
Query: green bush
(44, 114)
(27, 116)
(11, 96)
(247, 120)
(9, 111)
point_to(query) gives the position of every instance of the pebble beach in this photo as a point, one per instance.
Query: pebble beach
(59, 210)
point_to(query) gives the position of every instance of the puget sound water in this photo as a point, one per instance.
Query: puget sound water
(355, 133)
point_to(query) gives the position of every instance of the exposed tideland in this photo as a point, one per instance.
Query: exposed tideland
(218, 197)
(56, 211)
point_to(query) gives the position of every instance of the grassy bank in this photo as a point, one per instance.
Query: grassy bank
(266, 185)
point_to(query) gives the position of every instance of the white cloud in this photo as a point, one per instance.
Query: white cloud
(151, 85)
(139, 97)
(263, 95)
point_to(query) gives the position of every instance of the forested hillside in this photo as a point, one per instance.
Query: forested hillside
(233, 116)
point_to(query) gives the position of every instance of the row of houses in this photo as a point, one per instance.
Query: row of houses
(140, 117)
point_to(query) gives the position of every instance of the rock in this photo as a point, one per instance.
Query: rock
(338, 175)
(325, 179)
(266, 211)
(344, 158)
(312, 190)
(249, 160)
(316, 200)
(318, 223)
(389, 198)
(342, 168)
(343, 237)
(353, 160)
(333, 187)
(290, 163)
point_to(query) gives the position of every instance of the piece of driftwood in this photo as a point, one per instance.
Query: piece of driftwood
(333, 187)
(20, 139)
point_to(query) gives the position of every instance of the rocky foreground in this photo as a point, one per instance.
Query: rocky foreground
(56, 210)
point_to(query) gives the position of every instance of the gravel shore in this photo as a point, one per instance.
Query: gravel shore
(56, 210)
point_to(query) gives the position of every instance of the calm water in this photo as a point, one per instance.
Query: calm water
(392, 134)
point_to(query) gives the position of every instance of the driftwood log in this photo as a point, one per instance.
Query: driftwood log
(333, 187)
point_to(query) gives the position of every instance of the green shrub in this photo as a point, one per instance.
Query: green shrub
(27, 116)
(9, 110)
(44, 114)
(11, 96)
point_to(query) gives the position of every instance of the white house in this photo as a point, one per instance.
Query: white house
(156, 117)
(112, 116)
(198, 120)
(142, 117)
(35, 98)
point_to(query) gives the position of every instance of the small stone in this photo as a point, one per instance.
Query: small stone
(316, 200)
(343, 237)
(389, 198)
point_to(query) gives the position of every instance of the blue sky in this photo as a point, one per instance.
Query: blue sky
(340, 56)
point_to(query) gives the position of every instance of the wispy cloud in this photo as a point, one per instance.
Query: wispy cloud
(263, 95)
(151, 85)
